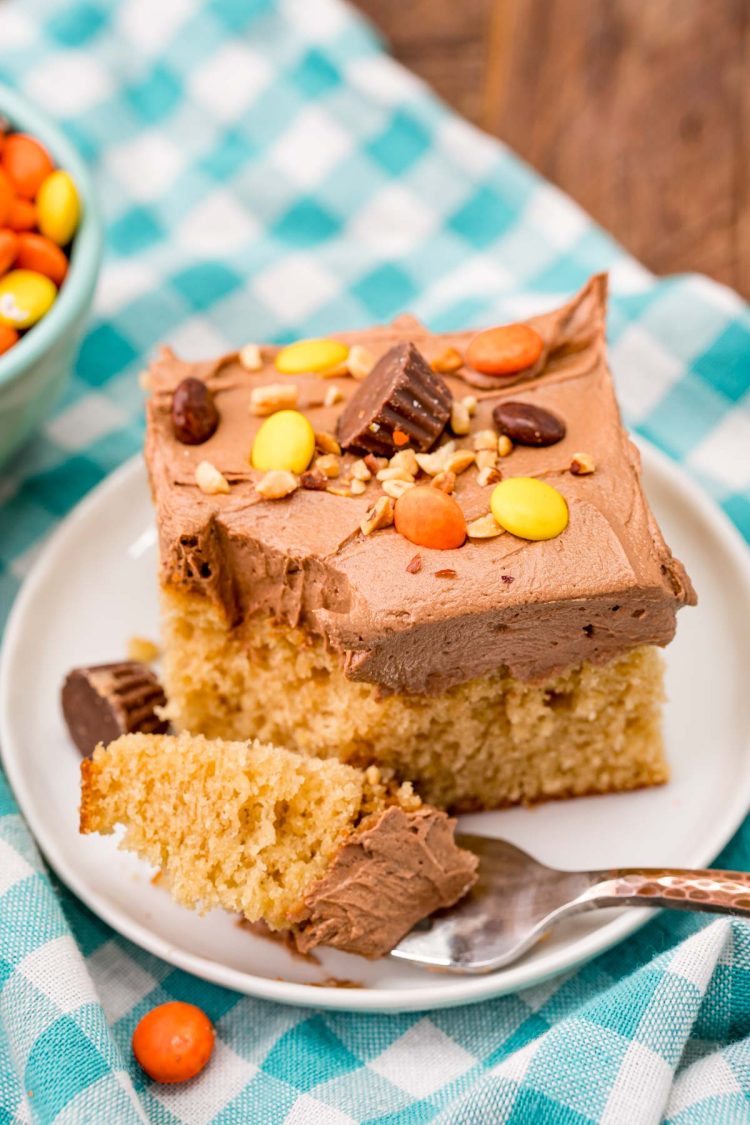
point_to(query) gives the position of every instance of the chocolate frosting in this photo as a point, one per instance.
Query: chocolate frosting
(605, 585)
(389, 875)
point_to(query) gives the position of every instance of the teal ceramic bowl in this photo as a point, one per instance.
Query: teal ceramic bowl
(34, 371)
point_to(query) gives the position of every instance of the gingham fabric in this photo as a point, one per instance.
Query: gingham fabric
(267, 173)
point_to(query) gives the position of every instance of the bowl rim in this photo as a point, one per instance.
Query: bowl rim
(85, 258)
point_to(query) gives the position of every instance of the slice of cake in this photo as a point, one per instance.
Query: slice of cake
(495, 643)
(321, 848)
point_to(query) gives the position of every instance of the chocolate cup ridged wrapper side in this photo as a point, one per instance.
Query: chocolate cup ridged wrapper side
(401, 395)
(104, 701)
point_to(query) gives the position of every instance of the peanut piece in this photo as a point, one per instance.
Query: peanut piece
(582, 464)
(380, 515)
(210, 480)
(395, 473)
(357, 487)
(250, 357)
(445, 481)
(273, 397)
(396, 488)
(486, 527)
(504, 445)
(334, 395)
(328, 464)
(470, 402)
(405, 459)
(143, 650)
(277, 483)
(485, 439)
(460, 420)
(326, 443)
(459, 461)
(360, 471)
(359, 362)
(489, 475)
(486, 458)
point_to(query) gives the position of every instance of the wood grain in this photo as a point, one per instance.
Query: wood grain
(639, 109)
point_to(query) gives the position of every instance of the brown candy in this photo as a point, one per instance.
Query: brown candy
(106, 700)
(527, 424)
(402, 401)
(194, 413)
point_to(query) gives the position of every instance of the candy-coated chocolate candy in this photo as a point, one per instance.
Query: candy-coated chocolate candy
(286, 440)
(27, 163)
(58, 208)
(35, 252)
(505, 350)
(7, 196)
(529, 508)
(25, 297)
(21, 214)
(174, 1041)
(311, 355)
(8, 249)
(430, 518)
(8, 337)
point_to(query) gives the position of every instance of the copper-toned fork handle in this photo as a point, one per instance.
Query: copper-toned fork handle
(722, 892)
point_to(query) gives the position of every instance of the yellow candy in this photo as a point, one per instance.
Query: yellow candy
(529, 508)
(286, 440)
(25, 297)
(311, 355)
(58, 208)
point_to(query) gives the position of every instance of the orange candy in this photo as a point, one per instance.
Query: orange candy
(27, 163)
(6, 198)
(505, 350)
(8, 337)
(429, 517)
(8, 249)
(40, 254)
(21, 214)
(173, 1042)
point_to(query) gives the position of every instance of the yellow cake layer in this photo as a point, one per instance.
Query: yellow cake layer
(490, 742)
(244, 826)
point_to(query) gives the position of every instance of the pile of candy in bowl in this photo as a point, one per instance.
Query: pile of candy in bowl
(39, 214)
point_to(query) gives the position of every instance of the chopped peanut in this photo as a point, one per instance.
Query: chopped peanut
(489, 475)
(314, 480)
(277, 483)
(357, 487)
(459, 461)
(273, 397)
(396, 488)
(460, 420)
(380, 515)
(250, 357)
(336, 491)
(470, 402)
(375, 464)
(210, 480)
(405, 459)
(360, 471)
(445, 481)
(326, 443)
(328, 464)
(447, 362)
(395, 473)
(359, 362)
(430, 463)
(486, 527)
(334, 395)
(504, 445)
(486, 458)
(582, 464)
(485, 439)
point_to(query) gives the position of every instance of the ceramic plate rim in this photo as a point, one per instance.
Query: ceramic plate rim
(472, 989)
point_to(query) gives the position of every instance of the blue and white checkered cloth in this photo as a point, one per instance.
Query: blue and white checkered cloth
(267, 173)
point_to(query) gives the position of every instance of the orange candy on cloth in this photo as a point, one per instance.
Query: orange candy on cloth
(173, 1042)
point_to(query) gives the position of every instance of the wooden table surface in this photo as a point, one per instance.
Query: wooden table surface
(638, 109)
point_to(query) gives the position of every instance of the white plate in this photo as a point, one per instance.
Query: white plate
(94, 587)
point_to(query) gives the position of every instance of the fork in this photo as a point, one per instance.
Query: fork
(517, 900)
